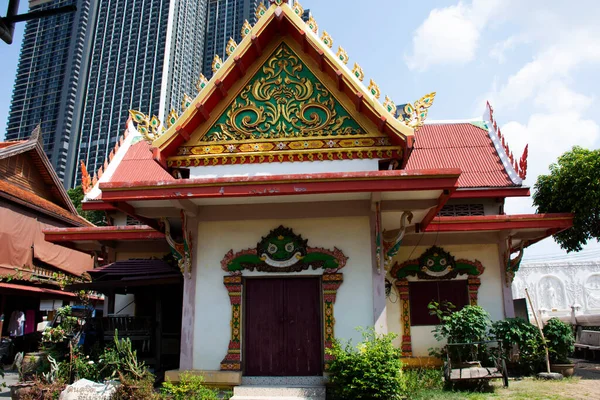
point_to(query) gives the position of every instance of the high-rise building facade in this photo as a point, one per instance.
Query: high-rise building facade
(48, 88)
(146, 54)
(224, 21)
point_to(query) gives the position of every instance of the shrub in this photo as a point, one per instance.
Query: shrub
(560, 339)
(371, 370)
(135, 389)
(189, 387)
(528, 339)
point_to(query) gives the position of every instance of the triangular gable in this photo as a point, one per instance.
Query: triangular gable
(285, 112)
(281, 29)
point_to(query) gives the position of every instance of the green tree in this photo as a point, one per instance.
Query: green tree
(95, 217)
(573, 185)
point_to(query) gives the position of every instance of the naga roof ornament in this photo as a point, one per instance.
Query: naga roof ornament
(246, 29)
(260, 11)
(172, 118)
(312, 24)
(217, 63)
(186, 102)
(389, 105)
(327, 39)
(358, 72)
(201, 82)
(231, 45)
(342, 55)
(415, 115)
(150, 128)
(374, 89)
(298, 9)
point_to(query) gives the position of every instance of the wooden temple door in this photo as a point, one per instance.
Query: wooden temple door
(282, 335)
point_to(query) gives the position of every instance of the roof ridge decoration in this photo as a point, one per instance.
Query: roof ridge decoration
(415, 115)
(88, 184)
(183, 127)
(516, 169)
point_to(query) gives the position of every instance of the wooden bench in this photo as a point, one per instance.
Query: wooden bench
(588, 342)
(459, 371)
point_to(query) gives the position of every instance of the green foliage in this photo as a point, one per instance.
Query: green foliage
(560, 339)
(418, 380)
(371, 370)
(120, 358)
(527, 337)
(135, 389)
(573, 185)
(189, 387)
(97, 218)
(470, 324)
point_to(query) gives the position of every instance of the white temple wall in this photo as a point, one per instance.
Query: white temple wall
(354, 303)
(283, 168)
(556, 287)
(489, 295)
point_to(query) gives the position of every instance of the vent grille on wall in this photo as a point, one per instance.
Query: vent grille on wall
(461, 210)
(133, 221)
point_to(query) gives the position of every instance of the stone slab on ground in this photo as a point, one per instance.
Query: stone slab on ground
(555, 376)
(255, 392)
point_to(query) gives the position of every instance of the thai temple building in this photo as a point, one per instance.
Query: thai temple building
(299, 206)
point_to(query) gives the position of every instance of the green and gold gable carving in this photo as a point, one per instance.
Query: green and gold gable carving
(286, 113)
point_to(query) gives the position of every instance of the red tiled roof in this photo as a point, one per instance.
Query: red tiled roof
(28, 198)
(137, 165)
(8, 144)
(460, 145)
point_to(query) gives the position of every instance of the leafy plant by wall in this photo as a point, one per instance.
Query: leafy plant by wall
(560, 339)
(371, 370)
(527, 338)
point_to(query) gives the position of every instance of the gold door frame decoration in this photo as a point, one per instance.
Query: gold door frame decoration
(434, 264)
(281, 251)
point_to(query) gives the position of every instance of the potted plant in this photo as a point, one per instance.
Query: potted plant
(561, 343)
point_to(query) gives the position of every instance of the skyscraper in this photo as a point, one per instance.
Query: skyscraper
(146, 54)
(224, 21)
(48, 88)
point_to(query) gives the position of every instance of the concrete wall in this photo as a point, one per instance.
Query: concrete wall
(354, 304)
(490, 291)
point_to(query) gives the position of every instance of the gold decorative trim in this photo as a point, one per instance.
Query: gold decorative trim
(415, 115)
(260, 11)
(389, 105)
(186, 102)
(342, 55)
(374, 89)
(312, 24)
(201, 83)
(246, 29)
(217, 63)
(298, 9)
(231, 46)
(358, 72)
(172, 118)
(327, 39)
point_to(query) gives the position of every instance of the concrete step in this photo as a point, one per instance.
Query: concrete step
(255, 392)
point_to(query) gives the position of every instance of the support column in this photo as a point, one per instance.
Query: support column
(507, 296)
(378, 274)
(186, 352)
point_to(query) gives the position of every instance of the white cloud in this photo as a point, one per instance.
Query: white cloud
(499, 50)
(450, 35)
(556, 62)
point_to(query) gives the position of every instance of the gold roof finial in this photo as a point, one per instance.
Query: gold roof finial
(298, 9)
(312, 24)
(201, 83)
(374, 89)
(231, 45)
(186, 102)
(342, 55)
(358, 72)
(260, 11)
(217, 63)
(150, 128)
(389, 105)
(415, 115)
(327, 39)
(246, 29)
(172, 118)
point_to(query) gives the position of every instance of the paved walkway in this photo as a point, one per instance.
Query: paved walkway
(10, 378)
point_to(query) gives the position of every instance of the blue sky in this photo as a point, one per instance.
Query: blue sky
(536, 61)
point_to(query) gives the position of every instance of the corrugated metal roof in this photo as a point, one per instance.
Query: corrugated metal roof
(460, 145)
(137, 165)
